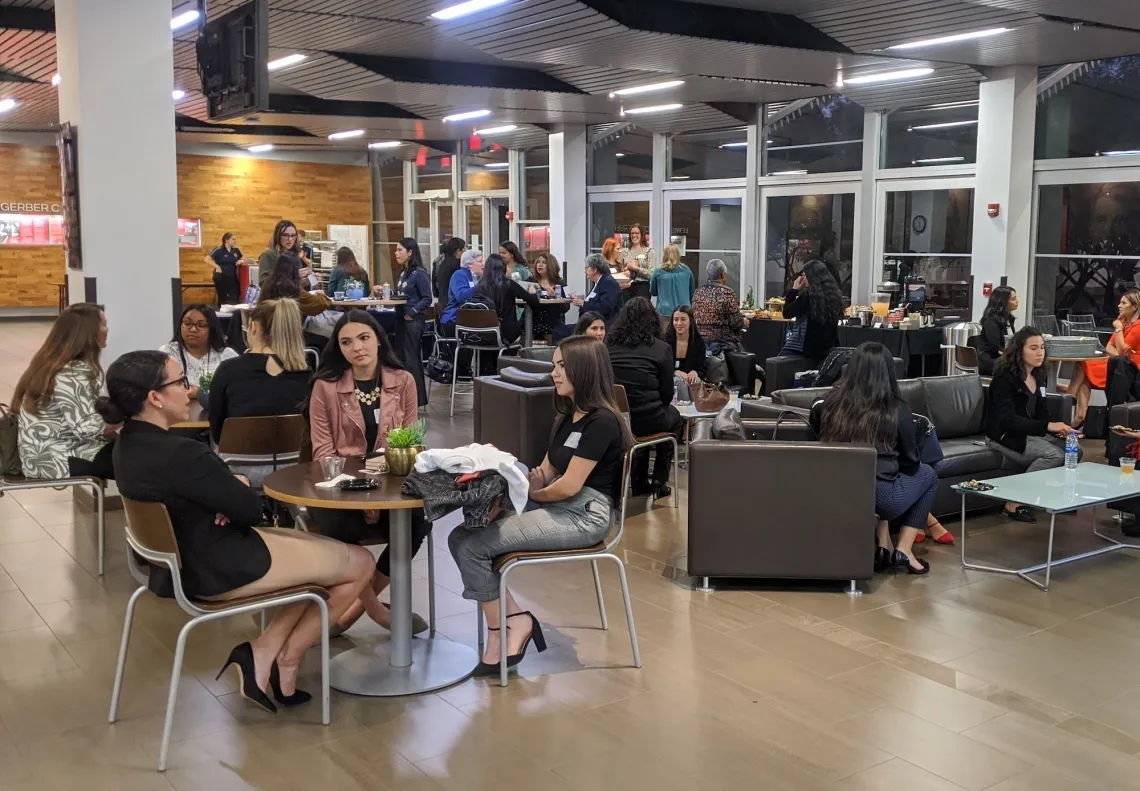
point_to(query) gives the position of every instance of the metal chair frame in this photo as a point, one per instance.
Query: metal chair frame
(98, 489)
(199, 616)
(961, 366)
(642, 443)
(478, 349)
(606, 553)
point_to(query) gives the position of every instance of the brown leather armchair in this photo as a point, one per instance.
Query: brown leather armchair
(514, 411)
(795, 534)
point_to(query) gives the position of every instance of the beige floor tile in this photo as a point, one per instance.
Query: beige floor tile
(1102, 734)
(79, 620)
(15, 530)
(951, 756)
(982, 629)
(33, 555)
(16, 613)
(490, 767)
(809, 651)
(1072, 692)
(895, 774)
(32, 652)
(58, 583)
(918, 639)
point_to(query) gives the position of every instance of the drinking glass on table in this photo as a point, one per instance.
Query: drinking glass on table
(332, 466)
(338, 296)
(1127, 465)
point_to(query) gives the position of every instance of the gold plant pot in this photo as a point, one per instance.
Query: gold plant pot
(401, 460)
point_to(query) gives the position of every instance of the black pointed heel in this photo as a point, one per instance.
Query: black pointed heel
(242, 657)
(535, 635)
(900, 559)
(288, 701)
(883, 559)
(485, 668)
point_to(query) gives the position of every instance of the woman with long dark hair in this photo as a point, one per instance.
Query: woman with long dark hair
(643, 365)
(285, 239)
(997, 323)
(224, 259)
(60, 433)
(414, 286)
(690, 363)
(865, 408)
(1125, 342)
(548, 282)
(214, 513)
(501, 292)
(1017, 415)
(515, 261)
(573, 497)
(347, 268)
(444, 267)
(199, 344)
(284, 283)
(592, 325)
(816, 305)
(361, 392)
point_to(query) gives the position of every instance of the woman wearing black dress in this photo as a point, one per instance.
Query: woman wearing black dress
(997, 323)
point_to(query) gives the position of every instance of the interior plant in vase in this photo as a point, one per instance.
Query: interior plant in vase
(353, 288)
(204, 383)
(404, 444)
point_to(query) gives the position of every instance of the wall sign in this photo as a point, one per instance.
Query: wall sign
(31, 208)
(189, 233)
(31, 229)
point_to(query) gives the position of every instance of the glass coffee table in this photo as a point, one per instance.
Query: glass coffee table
(1057, 491)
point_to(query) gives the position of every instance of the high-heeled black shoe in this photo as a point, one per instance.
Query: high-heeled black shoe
(288, 701)
(242, 657)
(492, 669)
(883, 559)
(900, 558)
(486, 668)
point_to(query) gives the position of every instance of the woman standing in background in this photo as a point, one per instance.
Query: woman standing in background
(640, 260)
(414, 286)
(224, 261)
(673, 285)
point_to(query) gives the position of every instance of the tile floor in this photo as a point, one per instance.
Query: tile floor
(953, 681)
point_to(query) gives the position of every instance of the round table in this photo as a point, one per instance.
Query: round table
(197, 418)
(528, 316)
(403, 665)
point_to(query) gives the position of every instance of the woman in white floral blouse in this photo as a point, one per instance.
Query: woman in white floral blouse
(61, 434)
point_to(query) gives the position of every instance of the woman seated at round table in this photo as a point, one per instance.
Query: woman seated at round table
(199, 345)
(213, 513)
(1125, 342)
(460, 289)
(515, 262)
(59, 432)
(271, 378)
(1017, 413)
(284, 283)
(347, 268)
(643, 365)
(359, 393)
(816, 305)
(997, 323)
(548, 281)
(591, 324)
(865, 408)
(499, 292)
(690, 363)
(573, 496)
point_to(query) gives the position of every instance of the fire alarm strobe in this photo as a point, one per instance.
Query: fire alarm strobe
(987, 288)
(993, 209)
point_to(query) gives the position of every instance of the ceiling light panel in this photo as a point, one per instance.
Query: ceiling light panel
(468, 116)
(945, 125)
(954, 39)
(184, 19)
(496, 130)
(657, 108)
(285, 62)
(347, 135)
(886, 76)
(639, 89)
(464, 9)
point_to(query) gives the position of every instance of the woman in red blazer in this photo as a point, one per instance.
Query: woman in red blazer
(360, 393)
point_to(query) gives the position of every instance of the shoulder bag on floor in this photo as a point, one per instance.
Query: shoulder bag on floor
(9, 442)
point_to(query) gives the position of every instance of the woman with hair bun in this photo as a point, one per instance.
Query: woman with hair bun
(213, 513)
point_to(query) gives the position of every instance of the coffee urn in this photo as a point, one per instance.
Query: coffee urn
(891, 284)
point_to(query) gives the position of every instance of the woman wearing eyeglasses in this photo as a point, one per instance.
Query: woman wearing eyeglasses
(213, 512)
(199, 345)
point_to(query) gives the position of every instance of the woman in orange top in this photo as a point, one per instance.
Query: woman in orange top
(1125, 340)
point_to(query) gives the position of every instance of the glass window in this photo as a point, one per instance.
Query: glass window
(435, 173)
(1088, 249)
(825, 137)
(1098, 114)
(487, 168)
(716, 154)
(805, 227)
(929, 233)
(392, 191)
(707, 229)
(625, 159)
(612, 218)
(536, 184)
(942, 134)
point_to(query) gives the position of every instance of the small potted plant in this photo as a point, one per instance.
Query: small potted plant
(204, 382)
(404, 444)
(353, 288)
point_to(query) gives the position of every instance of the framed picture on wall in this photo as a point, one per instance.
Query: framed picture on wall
(189, 233)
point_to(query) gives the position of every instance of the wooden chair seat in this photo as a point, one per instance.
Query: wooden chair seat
(228, 604)
(512, 557)
(653, 437)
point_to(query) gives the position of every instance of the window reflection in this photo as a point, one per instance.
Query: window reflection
(929, 234)
(1072, 121)
(825, 137)
(708, 229)
(804, 227)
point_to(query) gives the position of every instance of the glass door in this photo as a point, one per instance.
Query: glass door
(486, 223)
(434, 225)
(706, 225)
(805, 222)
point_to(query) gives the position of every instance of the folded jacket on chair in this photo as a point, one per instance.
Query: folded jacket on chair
(442, 493)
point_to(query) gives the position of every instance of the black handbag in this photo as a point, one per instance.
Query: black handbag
(439, 370)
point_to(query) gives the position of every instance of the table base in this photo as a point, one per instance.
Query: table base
(1049, 563)
(436, 663)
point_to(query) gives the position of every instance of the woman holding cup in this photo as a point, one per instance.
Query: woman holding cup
(360, 393)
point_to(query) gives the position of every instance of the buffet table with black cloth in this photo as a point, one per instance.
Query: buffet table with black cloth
(765, 337)
(916, 347)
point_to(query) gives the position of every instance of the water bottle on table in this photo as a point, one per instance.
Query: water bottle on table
(1072, 451)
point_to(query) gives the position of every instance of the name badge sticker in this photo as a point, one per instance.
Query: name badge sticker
(573, 440)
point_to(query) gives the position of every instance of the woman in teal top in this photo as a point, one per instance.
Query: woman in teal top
(347, 267)
(673, 285)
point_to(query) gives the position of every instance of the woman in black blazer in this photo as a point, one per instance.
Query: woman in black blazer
(817, 306)
(997, 322)
(690, 363)
(1017, 413)
(501, 293)
(213, 513)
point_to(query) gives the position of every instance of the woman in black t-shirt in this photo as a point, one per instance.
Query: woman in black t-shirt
(573, 494)
(224, 260)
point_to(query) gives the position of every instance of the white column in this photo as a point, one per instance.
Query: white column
(568, 202)
(116, 78)
(865, 270)
(751, 259)
(1006, 118)
(658, 223)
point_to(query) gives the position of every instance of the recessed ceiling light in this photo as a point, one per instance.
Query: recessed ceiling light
(788, 173)
(259, 149)
(463, 9)
(680, 178)
(657, 108)
(739, 144)
(944, 125)
(347, 135)
(619, 154)
(496, 130)
(497, 165)
(656, 86)
(7, 104)
(385, 144)
(937, 160)
(184, 19)
(886, 76)
(1123, 153)
(467, 116)
(954, 39)
(56, 80)
(288, 60)
(178, 94)
(952, 105)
